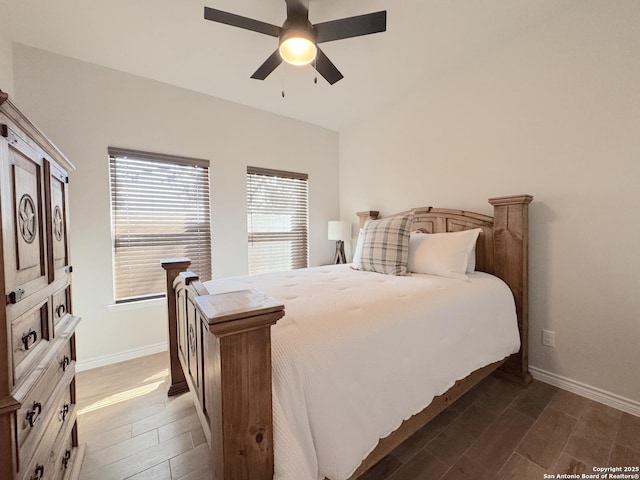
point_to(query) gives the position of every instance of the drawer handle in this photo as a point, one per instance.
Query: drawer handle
(34, 413)
(64, 412)
(66, 458)
(61, 310)
(29, 338)
(65, 363)
(38, 473)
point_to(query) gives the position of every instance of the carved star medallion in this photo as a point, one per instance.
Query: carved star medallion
(27, 221)
(57, 223)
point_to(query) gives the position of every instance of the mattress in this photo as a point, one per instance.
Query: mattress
(358, 352)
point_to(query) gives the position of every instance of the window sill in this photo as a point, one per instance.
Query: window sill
(136, 305)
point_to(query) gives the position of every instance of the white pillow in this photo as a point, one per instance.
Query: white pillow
(471, 266)
(357, 253)
(444, 254)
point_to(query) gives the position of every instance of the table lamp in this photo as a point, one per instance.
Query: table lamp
(339, 231)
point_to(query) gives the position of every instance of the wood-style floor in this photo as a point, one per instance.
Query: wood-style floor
(496, 431)
(133, 430)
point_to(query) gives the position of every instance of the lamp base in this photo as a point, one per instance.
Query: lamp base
(340, 257)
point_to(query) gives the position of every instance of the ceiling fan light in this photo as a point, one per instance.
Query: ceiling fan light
(298, 50)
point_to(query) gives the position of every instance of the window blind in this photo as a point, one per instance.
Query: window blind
(277, 220)
(159, 209)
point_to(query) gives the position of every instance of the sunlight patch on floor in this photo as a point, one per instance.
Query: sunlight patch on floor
(161, 375)
(121, 397)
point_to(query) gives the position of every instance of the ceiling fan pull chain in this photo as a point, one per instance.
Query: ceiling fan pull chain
(315, 68)
(283, 84)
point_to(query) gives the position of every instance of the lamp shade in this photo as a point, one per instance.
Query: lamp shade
(339, 230)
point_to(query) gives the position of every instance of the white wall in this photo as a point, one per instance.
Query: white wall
(554, 113)
(84, 109)
(6, 65)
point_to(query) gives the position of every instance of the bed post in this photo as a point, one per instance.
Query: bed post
(367, 215)
(511, 264)
(238, 382)
(220, 349)
(173, 267)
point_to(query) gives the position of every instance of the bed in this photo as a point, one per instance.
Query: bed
(329, 402)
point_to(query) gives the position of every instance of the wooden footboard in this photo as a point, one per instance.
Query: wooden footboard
(220, 345)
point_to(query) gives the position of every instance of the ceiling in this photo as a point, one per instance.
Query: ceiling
(169, 41)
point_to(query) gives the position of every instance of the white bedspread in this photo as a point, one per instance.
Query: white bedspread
(357, 353)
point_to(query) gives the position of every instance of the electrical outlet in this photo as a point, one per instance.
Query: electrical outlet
(549, 338)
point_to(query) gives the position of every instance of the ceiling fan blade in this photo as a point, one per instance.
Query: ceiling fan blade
(351, 27)
(269, 65)
(241, 22)
(327, 69)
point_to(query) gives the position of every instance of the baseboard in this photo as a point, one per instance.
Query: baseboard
(91, 363)
(584, 390)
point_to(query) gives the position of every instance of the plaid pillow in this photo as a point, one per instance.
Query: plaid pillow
(385, 246)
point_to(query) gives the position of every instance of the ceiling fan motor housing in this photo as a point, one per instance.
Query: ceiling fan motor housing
(298, 27)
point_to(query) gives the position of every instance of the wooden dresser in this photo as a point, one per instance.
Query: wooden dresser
(38, 431)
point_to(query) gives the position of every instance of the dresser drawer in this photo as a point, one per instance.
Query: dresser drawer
(55, 457)
(44, 405)
(61, 307)
(29, 338)
(56, 453)
(40, 465)
(63, 409)
(63, 360)
(39, 468)
(66, 456)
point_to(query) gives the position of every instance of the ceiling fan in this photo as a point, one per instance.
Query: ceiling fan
(299, 38)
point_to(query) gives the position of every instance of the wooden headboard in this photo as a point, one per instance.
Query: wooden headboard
(502, 250)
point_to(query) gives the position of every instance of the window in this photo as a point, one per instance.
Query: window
(159, 209)
(277, 220)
